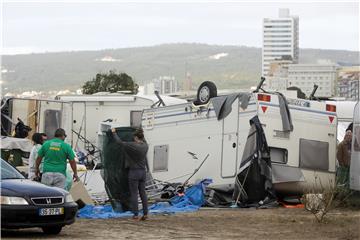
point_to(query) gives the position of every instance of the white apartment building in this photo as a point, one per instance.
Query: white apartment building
(163, 84)
(277, 78)
(305, 76)
(280, 39)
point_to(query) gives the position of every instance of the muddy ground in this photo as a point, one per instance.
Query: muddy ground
(279, 223)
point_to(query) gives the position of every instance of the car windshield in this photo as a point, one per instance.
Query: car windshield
(9, 172)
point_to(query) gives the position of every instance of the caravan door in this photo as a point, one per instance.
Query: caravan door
(50, 116)
(230, 142)
(355, 151)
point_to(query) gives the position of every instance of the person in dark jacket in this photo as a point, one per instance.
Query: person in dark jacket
(343, 156)
(137, 165)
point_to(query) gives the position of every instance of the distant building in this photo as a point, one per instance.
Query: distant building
(278, 74)
(188, 82)
(149, 88)
(163, 84)
(305, 76)
(348, 82)
(349, 90)
(280, 39)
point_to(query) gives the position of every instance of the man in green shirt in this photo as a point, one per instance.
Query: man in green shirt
(56, 152)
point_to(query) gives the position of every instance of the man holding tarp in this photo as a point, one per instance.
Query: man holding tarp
(136, 162)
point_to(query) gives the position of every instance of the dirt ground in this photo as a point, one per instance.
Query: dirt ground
(279, 223)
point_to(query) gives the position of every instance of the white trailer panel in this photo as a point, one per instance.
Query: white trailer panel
(188, 128)
(355, 151)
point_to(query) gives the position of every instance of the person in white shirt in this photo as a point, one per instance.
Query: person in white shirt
(38, 139)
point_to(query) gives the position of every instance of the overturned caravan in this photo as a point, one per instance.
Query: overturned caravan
(300, 135)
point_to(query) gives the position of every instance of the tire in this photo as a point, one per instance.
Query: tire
(206, 91)
(52, 230)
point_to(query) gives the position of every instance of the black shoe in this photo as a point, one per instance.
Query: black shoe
(143, 218)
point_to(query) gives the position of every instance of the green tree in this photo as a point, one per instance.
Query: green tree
(110, 82)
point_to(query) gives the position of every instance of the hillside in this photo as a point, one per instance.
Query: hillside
(227, 66)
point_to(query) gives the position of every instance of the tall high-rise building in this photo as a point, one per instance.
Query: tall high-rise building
(280, 39)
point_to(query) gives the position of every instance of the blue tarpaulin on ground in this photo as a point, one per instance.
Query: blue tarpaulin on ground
(190, 202)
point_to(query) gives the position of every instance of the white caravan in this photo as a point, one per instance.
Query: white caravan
(355, 151)
(303, 157)
(89, 110)
(41, 115)
(345, 112)
(81, 114)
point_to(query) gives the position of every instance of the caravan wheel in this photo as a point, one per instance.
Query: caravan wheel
(206, 91)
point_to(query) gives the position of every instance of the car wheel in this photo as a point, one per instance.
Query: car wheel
(206, 91)
(52, 230)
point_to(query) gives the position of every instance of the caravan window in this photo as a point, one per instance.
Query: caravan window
(161, 154)
(52, 122)
(135, 118)
(278, 155)
(314, 155)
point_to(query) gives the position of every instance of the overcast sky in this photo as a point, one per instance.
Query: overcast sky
(44, 26)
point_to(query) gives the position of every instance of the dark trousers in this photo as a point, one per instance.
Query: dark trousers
(137, 179)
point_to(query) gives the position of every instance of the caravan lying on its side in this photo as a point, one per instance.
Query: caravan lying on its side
(302, 157)
(87, 111)
(41, 115)
(78, 114)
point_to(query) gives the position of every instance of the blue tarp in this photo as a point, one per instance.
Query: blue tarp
(190, 202)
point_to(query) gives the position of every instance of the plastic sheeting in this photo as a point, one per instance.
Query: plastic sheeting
(254, 180)
(223, 104)
(192, 200)
(114, 172)
(22, 144)
(285, 113)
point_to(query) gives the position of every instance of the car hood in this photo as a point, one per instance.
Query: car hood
(27, 188)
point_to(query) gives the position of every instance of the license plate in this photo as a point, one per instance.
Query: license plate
(51, 211)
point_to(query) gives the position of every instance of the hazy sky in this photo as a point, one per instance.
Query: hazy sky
(44, 26)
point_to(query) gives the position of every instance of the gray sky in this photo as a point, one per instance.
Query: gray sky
(44, 26)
